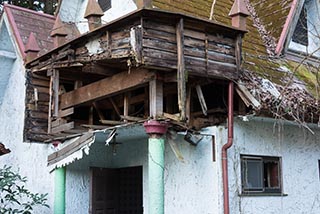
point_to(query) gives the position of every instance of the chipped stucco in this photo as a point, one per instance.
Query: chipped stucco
(195, 185)
(23, 156)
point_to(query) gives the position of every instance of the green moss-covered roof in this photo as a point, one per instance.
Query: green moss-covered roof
(297, 83)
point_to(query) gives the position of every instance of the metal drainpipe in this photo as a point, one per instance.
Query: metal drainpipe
(59, 190)
(226, 147)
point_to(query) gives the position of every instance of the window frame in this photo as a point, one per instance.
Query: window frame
(245, 159)
(105, 5)
(311, 48)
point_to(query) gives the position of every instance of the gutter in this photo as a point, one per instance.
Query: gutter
(225, 147)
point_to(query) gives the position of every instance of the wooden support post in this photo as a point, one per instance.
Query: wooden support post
(202, 100)
(115, 107)
(181, 76)
(91, 115)
(50, 102)
(100, 114)
(126, 105)
(238, 51)
(156, 98)
(55, 76)
(188, 105)
(77, 84)
(146, 101)
(108, 43)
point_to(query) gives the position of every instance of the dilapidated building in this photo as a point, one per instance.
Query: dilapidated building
(140, 109)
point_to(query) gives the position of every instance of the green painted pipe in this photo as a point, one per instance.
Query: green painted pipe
(59, 190)
(156, 175)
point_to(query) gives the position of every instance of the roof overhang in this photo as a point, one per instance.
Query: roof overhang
(154, 13)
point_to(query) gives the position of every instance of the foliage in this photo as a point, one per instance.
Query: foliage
(47, 6)
(14, 196)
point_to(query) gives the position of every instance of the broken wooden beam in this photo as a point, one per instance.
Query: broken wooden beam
(130, 118)
(106, 87)
(201, 100)
(111, 122)
(63, 127)
(181, 73)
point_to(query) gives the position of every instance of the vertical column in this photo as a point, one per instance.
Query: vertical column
(59, 190)
(156, 130)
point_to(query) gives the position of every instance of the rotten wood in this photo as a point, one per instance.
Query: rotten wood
(181, 76)
(106, 87)
(115, 107)
(130, 118)
(188, 104)
(69, 149)
(155, 98)
(126, 104)
(175, 117)
(65, 112)
(100, 113)
(58, 122)
(111, 122)
(201, 99)
(63, 127)
(55, 88)
(91, 115)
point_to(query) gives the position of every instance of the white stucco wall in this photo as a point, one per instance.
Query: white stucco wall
(195, 185)
(73, 11)
(190, 186)
(300, 152)
(28, 158)
(128, 154)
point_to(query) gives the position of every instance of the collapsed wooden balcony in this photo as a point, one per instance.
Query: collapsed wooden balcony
(149, 64)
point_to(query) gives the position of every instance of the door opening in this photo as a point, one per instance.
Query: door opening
(116, 191)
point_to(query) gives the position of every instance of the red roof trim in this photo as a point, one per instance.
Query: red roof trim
(286, 27)
(15, 29)
(29, 11)
(7, 9)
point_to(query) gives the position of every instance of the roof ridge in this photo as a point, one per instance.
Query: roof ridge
(28, 10)
(268, 40)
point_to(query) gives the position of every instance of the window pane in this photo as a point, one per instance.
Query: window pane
(252, 174)
(300, 34)
(271, 174)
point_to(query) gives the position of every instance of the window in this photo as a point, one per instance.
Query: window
(105, 4)
(300, 34)
(306, 35)
(260, 174)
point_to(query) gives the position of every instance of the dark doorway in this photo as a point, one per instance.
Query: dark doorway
(116, 191)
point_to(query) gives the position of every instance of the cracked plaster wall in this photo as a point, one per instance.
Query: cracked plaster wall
(30, 159)
(300, 152)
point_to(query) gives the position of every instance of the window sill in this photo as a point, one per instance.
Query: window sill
(262, 194)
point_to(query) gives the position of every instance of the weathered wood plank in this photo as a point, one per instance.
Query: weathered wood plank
(63, 127)
(159, 45)
(105, 87)
(156, 98)
(58, 122)
(159, 26)
(201, 99)
(111, 122)
(164, 36)
(69, 149)
(65, 112)
(181, 75)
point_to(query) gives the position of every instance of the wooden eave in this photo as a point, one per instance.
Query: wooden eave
(155, 13)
